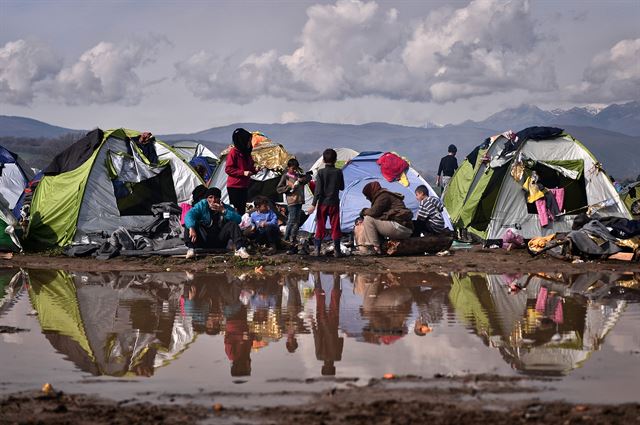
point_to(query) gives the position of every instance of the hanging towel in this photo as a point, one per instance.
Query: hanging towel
(543, 217)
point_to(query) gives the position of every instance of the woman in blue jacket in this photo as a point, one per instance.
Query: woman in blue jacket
(212, 224)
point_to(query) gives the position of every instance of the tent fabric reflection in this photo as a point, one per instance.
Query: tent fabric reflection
(546, 328)
(107, 328)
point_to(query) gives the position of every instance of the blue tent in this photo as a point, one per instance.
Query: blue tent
(361, 170)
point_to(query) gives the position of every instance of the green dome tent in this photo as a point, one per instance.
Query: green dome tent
(104, 181)
(486, 195)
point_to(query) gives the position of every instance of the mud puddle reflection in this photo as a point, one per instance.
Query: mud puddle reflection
(263, 339)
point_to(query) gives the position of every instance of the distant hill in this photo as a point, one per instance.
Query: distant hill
(618, 148)
(623, 118)
(27, 127)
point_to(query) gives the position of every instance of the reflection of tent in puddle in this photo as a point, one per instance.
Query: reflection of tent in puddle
(109, 326)
(549, 327)
(10, 284)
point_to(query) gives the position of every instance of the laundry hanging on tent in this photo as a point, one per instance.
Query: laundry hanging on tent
(550, 205)
(393, 167)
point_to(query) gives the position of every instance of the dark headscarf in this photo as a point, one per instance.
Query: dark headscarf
(242, 140)
(198, 193)
(370, 190)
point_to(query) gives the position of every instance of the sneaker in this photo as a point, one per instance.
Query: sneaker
(191, 253)
(242, 253)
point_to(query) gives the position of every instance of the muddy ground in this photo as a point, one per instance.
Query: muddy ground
(475, 259)
(407, 400)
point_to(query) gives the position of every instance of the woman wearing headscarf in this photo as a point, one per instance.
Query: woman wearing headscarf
(239, 168)
(388, 216)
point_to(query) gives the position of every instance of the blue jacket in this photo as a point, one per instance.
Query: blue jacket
(270, 217)
(200, 214)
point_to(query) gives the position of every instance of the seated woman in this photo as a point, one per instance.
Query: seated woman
(388, 216)
(212, 224)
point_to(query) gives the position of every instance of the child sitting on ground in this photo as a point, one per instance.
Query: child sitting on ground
(265, 224)
(292, 185)
(429, 220)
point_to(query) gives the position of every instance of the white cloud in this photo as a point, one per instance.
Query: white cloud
(106, 73)
(24, 65)
(354, 49)
(613, 75)
(289, 116)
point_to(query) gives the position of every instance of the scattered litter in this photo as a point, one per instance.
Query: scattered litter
(47, 388)
(494, 246)
(6, 255)
(577, 261)
(444, 253)
(305, 268)
(168, 269)
(217, 407)
(259, 270)
(388, 376)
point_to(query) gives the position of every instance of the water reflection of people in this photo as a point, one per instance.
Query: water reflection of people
(292, 323)
(387, 305)
(328, 343)
(237, 338)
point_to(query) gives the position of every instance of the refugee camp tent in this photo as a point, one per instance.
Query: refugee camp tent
(116, 325)
(486, 195)
(14, 176)
(104, 181)
(549, 328)
(196, 154)
(268, 155)
(361, 170)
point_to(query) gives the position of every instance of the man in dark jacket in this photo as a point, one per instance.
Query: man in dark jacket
(448, 166)
(388, 216)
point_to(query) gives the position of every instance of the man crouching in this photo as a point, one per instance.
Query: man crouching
(212, 224)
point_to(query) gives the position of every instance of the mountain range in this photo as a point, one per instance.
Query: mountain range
(624, 118)
(612, 134)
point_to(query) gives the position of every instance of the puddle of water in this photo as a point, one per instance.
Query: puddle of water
(216, 336)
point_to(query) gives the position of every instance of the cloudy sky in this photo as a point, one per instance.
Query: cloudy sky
(184, 66)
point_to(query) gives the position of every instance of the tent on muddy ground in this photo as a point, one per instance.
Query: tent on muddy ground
(535, 181)
(106, 180)
(364, 169)
(272, 157)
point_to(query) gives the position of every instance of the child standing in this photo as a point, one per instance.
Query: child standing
(329, 182)
(292, 185)
(265, 223)
(429, 220)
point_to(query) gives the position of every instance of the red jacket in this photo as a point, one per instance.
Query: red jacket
(237, 164)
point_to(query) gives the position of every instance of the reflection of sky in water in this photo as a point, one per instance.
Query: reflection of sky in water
(185, 332)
